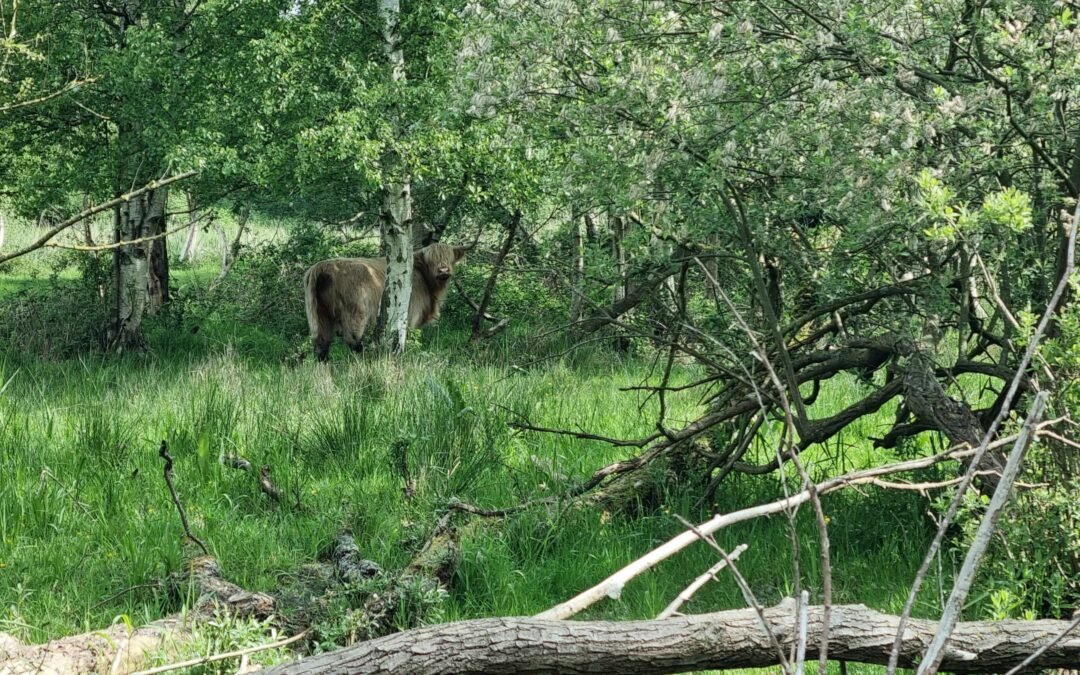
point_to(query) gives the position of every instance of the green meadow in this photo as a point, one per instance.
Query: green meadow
(88, 530)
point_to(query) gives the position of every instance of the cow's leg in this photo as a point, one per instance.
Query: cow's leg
(354, 340)
(352, 332)
(321, 347)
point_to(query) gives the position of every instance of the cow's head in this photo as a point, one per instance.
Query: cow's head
(438, 260)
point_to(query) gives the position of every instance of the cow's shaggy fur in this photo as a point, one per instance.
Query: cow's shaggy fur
(344, 295)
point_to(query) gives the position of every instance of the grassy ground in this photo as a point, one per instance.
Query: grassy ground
(85, 516)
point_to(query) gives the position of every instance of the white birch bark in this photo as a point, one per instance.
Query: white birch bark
(578, 283)
(395, 219)
(131, 294)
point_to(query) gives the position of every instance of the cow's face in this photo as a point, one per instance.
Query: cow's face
(438, 260)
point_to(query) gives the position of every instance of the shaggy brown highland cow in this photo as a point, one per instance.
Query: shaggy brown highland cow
(344, 295)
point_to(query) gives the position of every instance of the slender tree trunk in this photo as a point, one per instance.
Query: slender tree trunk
(395, 218)
(618, 253)
(577, 286)
(481, 309)
(87, 226)
(130, 268)
(224, 247)
(590, 229)
(157, 279)
(1, 229)
(191, 244)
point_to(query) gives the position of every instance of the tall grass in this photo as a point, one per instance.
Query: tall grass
(85, 515)
(87, 529)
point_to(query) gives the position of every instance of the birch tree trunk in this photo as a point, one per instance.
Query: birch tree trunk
(618, 252)
(395, 218)
(1, 230)
(577, 286)
(489, 288)
(157, 278)
(125, 330)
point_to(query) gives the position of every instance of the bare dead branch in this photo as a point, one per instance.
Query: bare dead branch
(906, 287)
(226, 655)
(698, 582)
(163, 451)
(70, 86)
(83, 215)
(635, 443)
(116, 244)
(612, 585)
(747, 593)
(236, 462)
(1020, 667)
(267, 485)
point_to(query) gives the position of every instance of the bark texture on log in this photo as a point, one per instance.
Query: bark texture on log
(120, 648)
(732, 639)
(116, 649)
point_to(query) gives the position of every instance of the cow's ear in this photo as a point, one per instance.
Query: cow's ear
(460, 251)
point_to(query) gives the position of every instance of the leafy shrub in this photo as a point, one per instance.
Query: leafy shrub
(58, 318)
(224, 633)
(264, 287)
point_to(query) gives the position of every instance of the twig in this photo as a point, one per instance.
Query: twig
(800, 653)
(792, 423)
(155, 584)
(937, 485)
(1041, 650)
(232, 252)
(637, 443)
(697, 583)
(116, 244)
(747, 593)
(164, 452)
(267, 485)
(83, 215)
(399, 453)
(47, 473)
(75, 84)
(936, 651)
(222, 657)
(456, 505)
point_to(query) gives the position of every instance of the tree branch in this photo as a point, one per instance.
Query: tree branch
(83, 215)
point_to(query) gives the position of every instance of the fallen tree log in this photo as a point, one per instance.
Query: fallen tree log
(121, 648)
(116, 649)
(731, 639)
